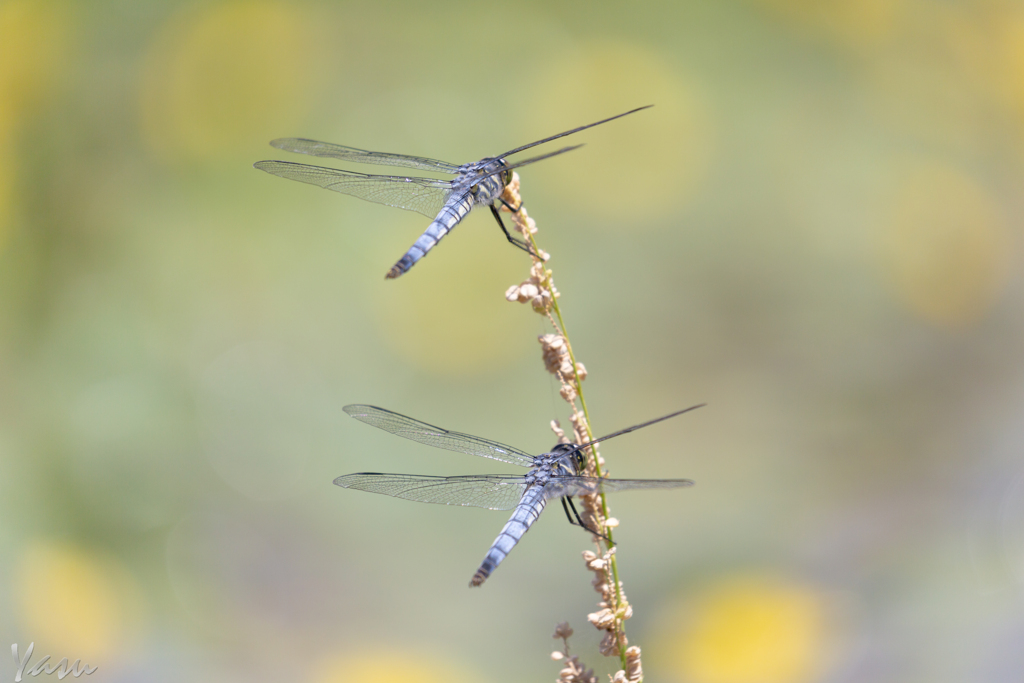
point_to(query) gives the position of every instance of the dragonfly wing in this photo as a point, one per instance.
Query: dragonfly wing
(362, 156)
(492, 492)
(581, 486)
(570, 132)
(408, 428)
(422, 195)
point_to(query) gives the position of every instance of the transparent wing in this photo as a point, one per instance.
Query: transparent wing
(326, 149)
(581, 486)
(423, 195)
(437, 437)
(570, 132)
(492, 492)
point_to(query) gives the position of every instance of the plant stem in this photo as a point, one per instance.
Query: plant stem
(609, 543)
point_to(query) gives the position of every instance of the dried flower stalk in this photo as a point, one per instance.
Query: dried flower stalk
(540, 292)
(573, 671)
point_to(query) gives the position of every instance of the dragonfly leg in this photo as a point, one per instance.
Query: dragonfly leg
(567, 515)
(517, 242)
(509, 206)
(579, 521)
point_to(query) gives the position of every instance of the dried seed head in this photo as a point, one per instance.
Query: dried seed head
(607, 643)
(610, 644)
(574, 672)
(559, 432)
(620, 677)
(542, 302)
(602, 619)
(554, 342)
(579, 427)
(634, 672)
(563, 630)
(557, 656)
(526, 225)
(555, 353)
(591, 503)
(604, 584)
(611, 523)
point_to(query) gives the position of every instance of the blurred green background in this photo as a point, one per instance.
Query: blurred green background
(815, 230)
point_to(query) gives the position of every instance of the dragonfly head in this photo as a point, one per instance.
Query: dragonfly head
(572, 457)
(497, 168)
(579, 461)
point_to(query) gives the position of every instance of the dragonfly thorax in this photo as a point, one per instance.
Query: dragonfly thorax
(566, 458)
(487, 180)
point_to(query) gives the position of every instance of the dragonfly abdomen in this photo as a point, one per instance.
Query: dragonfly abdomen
(446, 219)
(526, 513)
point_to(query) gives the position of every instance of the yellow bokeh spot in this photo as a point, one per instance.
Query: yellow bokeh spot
(1009, 80)
(221, 75)
(858, 23)
(389, 667)
(32, 42)
(71, 599)
(748, 630)
(639, 168)
(946, 248)
(448, 315)
(32, 49)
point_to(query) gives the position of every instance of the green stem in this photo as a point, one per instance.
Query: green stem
(593, 450)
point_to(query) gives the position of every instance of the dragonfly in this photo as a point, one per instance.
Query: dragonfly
(559, 473)
(446, 201)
